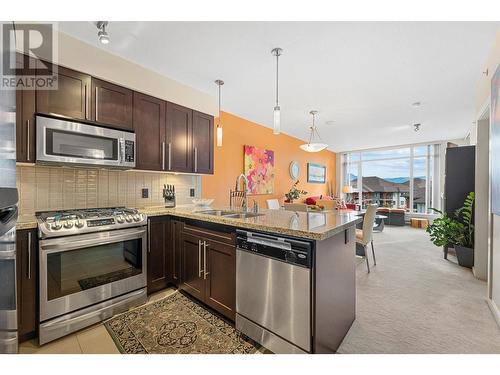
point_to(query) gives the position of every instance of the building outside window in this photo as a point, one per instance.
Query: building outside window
(405, 178)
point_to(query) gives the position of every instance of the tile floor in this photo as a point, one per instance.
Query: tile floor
(92, 340)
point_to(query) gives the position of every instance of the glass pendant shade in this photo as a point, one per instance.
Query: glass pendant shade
(312, 146)
(277, 110)
(219, 83)
(219, 136)
(277, 120)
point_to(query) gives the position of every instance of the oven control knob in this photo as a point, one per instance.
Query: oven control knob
(68, 224)
(137, 217)
(128, 218)
(79, 224)
(56, 226)
(120, 219)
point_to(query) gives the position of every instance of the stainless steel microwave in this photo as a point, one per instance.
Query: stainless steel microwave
(61, 141)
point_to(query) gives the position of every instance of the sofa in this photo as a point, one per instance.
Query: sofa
(395, 216)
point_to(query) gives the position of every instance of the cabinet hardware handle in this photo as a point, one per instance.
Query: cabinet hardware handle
(97, 103)
(28, 141)
(205, 273)
(170, 156)
(149, 236)
(199, 259)
(163, 155)
(87, 105)
(29, 255)
(196, 159)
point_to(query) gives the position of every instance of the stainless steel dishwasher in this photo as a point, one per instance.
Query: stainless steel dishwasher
(273, 291)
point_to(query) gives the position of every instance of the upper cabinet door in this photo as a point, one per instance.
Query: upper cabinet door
(179, 131)
(111, 104)
(203, 143)
(149, 127)
(25, 117)
(72, 97)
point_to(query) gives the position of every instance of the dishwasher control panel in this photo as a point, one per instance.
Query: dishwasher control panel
(281, 248)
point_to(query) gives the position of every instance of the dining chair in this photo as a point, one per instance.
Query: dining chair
(273, 204)
(295, 206)
(365, 236)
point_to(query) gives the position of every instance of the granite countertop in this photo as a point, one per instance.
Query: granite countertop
(26, 222)
(311, 225)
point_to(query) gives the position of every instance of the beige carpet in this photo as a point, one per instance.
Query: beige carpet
(414, 301)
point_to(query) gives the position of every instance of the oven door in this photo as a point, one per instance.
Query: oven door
(82, 270)
(60, 141)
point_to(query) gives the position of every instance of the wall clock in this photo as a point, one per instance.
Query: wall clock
(294, 170)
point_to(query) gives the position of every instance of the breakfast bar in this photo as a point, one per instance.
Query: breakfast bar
(286, 278)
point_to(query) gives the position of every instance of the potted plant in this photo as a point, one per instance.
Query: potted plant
(294, 193)
(457, 231)
(464, 242)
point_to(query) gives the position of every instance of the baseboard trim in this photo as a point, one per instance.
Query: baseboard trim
(494, 310)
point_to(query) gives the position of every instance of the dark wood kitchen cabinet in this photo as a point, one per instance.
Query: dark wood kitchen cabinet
(179, 141)
(112, 104)
(149, 127)
(160, 253)
(220, 283)
(208, 268)
(192, 266)
(25, 115)
(176, 239)
(72, 97)
(203, 143)
(27, 276)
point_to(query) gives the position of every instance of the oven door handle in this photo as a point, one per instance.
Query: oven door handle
(62, 244)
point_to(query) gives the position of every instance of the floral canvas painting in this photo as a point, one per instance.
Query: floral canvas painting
(259, 170)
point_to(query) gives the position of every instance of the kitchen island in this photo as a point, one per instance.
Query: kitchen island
(301, 303)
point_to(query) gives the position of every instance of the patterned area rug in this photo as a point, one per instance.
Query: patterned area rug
(176, 325)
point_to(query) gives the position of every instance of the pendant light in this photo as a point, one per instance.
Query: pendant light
(312, 146)
(277, 115)
(219, 83)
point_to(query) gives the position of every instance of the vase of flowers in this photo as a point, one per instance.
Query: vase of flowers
(294, 193)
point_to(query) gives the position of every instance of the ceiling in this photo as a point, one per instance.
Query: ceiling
(362, 77)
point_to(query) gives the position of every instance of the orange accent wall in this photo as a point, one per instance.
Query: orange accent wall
(228, 160)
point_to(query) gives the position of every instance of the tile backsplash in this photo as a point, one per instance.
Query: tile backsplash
(43, 188)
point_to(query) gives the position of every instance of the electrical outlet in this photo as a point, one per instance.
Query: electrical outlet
(145, 193)
(191, 192)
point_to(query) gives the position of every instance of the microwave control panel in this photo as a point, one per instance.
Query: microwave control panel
(129, 151)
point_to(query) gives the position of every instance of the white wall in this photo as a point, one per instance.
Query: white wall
(482, 98)
(482, 203)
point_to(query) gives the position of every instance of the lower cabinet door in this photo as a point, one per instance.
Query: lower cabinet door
(27, 276)
(220, 277)
(191, 266)
(160, 254)
(176, 238)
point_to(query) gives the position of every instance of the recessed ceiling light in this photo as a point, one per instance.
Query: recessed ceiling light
(416, 104)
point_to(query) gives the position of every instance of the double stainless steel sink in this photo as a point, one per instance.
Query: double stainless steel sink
(230, 214)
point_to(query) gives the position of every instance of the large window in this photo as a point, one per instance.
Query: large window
(405, 178)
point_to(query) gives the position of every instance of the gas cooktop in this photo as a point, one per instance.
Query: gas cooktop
(79, 221)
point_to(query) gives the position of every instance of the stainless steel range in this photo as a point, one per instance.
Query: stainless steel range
(92, 266)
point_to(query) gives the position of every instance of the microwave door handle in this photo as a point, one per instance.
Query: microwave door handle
(122, 150)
